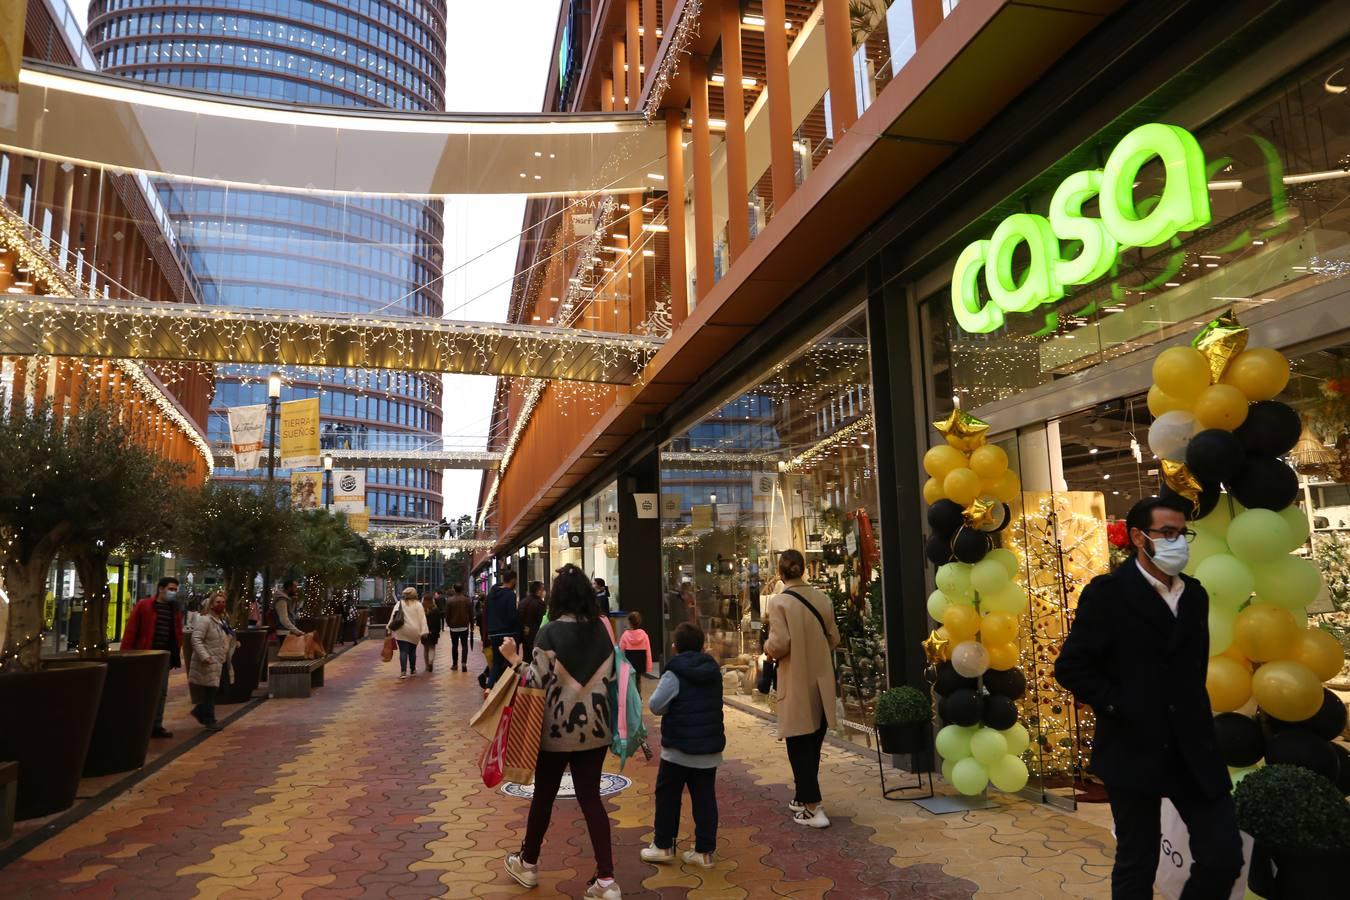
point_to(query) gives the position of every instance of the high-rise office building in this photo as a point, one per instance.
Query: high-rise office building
(294, 251)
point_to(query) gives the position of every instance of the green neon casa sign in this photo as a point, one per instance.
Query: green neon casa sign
(1183, 206)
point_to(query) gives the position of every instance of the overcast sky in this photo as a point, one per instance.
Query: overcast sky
(497, 60)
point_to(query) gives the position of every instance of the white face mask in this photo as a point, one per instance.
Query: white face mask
(1171, 556)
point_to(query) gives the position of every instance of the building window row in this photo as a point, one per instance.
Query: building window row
(337, 402)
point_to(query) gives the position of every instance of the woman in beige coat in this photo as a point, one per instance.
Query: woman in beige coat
(212, 641)
(802, 638)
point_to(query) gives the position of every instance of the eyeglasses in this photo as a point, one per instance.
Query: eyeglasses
(1170, 534)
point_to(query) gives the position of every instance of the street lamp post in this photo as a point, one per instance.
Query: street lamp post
(273, 413)
(328, 481)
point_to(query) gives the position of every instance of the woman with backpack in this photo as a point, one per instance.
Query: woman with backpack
(802, 638)
(574, 664)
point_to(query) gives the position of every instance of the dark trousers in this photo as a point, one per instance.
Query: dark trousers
(803, 752)
(459, 639)
(407, 657)
(498, 661)
(671, 780)
(1215, 845)
(204, 696)
(585, 766)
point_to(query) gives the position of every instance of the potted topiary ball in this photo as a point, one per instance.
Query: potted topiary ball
(903, 717)
(1300, 824)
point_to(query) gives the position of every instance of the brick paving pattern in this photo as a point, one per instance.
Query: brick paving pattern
(370, 789)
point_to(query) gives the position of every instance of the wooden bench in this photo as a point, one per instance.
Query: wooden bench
(295, 677)
(9, 796)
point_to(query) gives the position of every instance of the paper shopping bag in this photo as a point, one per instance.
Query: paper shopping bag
(387, 651)
(521, 751)
(1174, 857)
(485, 721)
(292, 647)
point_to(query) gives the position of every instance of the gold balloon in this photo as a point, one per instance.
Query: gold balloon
(961, 622)
(936, 647)
(1008, 487)
(989, 461)
(961, 486)
(1321, 652)
(932, 491)
(1001, 656)
(998, 628)
(1159, 402)
(1180, 479)
(1264, 632)
(1260, 373)
(941, 459)
(962, 426)
(1181, 372)
(1220, 342)
(1220, 406)
(1287, 690)
(980, 514)
(1229, 683)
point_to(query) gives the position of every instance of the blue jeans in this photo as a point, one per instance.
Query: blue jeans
(407, 657)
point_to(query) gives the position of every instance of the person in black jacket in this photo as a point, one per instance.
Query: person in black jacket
(689, 700)
(503, 621)
(1138, 654)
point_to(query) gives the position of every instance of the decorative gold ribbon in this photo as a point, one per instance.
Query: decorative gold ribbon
(1220, 341)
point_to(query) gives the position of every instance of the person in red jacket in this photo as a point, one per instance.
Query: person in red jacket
(156, 623)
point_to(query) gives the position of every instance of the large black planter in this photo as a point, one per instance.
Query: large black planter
(379, 615)
(48, 721)
(1291, 875)
(914, 738)
(246, 667)
(126, 712)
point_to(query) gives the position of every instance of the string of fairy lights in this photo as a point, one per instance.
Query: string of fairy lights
(685, 30)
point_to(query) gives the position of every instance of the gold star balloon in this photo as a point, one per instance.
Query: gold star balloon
(962, 430)
(1180, 479)
(980, 514)
(1220, 341)
(934, 647)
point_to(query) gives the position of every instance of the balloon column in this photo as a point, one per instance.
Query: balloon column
(1218, 425)
(978, 605)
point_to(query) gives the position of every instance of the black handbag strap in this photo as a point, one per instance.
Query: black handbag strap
(819, 618)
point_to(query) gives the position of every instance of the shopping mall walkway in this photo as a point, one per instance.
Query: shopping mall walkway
(370, 788)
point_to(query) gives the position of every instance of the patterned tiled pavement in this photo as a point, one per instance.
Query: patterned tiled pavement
(370, 789)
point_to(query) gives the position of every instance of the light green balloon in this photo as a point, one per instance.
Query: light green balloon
(969, 777)
(988, 576)
(1009, 774)
(1220, 630)
(1203, 547)
(1238, 774)
(1012, 599)
(1006, 558)
(953, 742)
(1227, 580)
(1299, 529)
(988, 746)
(937, 605)
(1018, 739)
(1258, 535)
(947, 766)
(1216, 523)
(1290, 581)
(953, 579)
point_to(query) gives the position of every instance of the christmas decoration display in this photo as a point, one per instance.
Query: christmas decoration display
(1219, 424)
(978, 604)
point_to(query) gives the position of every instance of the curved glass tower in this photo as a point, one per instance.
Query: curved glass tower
(288, 251)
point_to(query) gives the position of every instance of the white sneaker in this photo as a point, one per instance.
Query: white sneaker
(816, 819)
(524, 873)
(403, 676)
(655, 854)
(610, 892)
(694, 858)
(795, 807)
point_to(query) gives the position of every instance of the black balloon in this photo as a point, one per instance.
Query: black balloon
(938, 550)
(970, 545)
(1209, 498)
(949, 681)
(1214, 455)
(942, 712)
(1271, 429)
(1241, 742)
(1329, 721)
(999, 712)
(1343, 775)
(944, 517)
(964, 708)
(1265, 483)
(1010, 683)
(1300, 747)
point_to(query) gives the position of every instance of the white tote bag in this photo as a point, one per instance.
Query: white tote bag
(1174, 857)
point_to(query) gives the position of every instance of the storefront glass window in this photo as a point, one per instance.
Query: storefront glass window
(602, 541)
(565, 536)
(786, 464)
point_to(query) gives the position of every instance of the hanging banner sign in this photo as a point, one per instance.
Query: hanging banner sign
(358, 520)
(763, 483)
(728, 513)
(1182, 205)
(702, 516)
(670, 506)
(247, 424)
(12, 17)
(300, 433)
(306, 490)
(349, 490)
(648, 505)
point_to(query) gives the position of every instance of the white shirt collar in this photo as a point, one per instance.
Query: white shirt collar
(1171, 595)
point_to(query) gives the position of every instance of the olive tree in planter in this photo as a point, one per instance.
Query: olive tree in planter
(1300, 824)
(388, 564)
(331, 560)
(903, 717)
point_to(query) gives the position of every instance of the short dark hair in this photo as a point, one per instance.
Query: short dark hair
(791, 564)
(688, 638)
(457, 588)
(536, 586)
(508, 576)
(572, 594)
(288, 584)
(635, 619)
(1140, 515)
(600, 581)
(166, 581)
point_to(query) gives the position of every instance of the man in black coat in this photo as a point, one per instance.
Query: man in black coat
(503, 621)
(1138, 654)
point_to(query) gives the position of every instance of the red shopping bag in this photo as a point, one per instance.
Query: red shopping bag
(514, 748)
